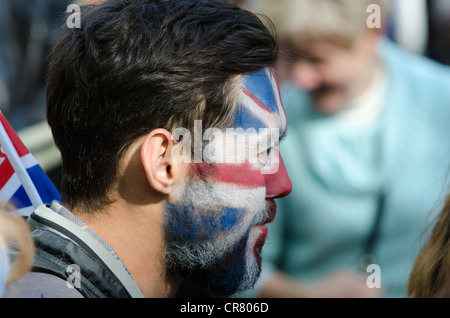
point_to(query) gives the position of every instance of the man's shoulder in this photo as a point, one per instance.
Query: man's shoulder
(41, 285)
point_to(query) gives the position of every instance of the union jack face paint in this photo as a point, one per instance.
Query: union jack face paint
(261, 122)
(216, 231)
(261, 102)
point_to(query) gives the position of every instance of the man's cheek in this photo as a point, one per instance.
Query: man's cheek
(188, 224)
(241, 175)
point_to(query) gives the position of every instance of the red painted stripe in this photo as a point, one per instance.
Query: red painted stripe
(256, 100)
(243, 175)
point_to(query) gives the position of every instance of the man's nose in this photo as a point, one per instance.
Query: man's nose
(305, 75)
(278, 184)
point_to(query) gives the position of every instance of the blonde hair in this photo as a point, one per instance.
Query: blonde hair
(15, 232)
(298, 21)
(431, 269)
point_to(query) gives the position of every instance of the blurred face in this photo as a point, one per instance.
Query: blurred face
(332, 74)
(216, 231)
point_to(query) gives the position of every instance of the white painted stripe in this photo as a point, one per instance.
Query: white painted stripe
(271, 120)
(279, 101)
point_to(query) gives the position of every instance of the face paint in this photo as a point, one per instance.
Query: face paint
(206, 234)
(215, 232)
(4, 268)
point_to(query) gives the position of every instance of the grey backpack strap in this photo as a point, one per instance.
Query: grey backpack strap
(63, 249)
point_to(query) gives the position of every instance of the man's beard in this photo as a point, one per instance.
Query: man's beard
(211, 243)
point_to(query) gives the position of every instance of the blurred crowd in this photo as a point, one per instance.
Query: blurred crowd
(27, 31)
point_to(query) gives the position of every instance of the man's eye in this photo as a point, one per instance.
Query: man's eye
(264, 157)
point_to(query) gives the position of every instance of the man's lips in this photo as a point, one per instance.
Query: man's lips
(271, 208)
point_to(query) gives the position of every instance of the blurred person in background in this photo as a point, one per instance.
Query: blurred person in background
(27, 31)
(14, 232)
(367, 150)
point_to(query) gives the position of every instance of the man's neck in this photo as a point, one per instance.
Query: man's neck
(135, 234)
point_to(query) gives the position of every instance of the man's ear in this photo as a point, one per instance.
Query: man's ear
(157, 162)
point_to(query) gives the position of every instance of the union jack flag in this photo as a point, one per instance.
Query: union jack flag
(23, 182)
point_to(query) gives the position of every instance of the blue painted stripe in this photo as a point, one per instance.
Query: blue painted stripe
(260, 84)
(190, 224)
(245, 119)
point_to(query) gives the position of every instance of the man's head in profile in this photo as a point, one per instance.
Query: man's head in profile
(119, 86)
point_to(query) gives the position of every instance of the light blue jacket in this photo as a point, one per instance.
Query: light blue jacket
(338, 173)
